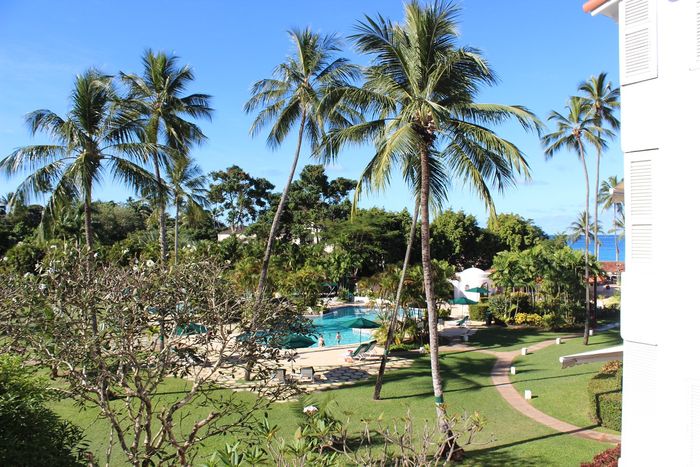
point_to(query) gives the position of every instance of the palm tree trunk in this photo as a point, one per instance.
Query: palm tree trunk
(177, 228)
(161, 212)
(617, 245)
(587, 322)
(278, 214)
(451, 446)
(394, 315)
(89, 233)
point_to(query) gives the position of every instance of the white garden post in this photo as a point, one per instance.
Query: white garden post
(512, 370)
(528, 394)
(558, 340)
(523, 351)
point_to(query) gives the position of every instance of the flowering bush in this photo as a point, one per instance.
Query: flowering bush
(607, 458)
(529, 319)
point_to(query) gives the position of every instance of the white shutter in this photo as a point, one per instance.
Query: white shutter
(638, 41)
(639, 186)
(696, 35)
(695, 423)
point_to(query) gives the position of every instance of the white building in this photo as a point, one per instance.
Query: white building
(468, 279)
(659, 45)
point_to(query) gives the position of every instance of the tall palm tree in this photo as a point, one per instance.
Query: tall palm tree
(419, 99)
(574, 131)
(94, 139)
(294, 96)
(577, 229)
(187, 186)
(606, 200)
(602, 100)
(157, 96)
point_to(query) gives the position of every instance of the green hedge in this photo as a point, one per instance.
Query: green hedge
(605, 398)
(477, 312)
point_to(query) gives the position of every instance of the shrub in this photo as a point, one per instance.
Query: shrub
(550, 321)
(31, 434)
(520, 301)
(529, 319)
(499, 305)
(23, 257)
(607, 458)
(477, 312)
(403, 347)
(605, 396)
(444, 313)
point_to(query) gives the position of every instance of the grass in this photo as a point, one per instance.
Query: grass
(507, 339)
(509, 438)
(562, 393)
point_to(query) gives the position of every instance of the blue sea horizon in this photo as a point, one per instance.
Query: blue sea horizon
(607, 247)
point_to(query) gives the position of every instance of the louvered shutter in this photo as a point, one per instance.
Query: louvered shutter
(696, 35)
(638, 41)
(640, 198)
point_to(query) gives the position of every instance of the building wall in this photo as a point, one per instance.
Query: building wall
(660, 138)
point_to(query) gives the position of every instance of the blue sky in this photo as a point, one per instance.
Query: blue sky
(541, 50)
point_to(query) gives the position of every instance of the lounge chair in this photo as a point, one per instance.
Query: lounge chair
(464, 321)
(368, 351)
(360, 350)
(280, 375)
(307, 373)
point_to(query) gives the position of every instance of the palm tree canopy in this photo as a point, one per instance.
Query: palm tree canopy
(577, 229)
(157, 96)
(299, 87)
(187, 185)
(94, 139)
(421, 88)
(602, 100)
(574, 130)
(607, 187)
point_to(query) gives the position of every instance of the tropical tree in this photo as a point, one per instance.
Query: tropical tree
(187, 186)
(602, 100)
(241, 196)
(607, 201)
(95, 139)
(419, 100)
(157, 98)
(578, 229)
(574, 131)
(294, 95)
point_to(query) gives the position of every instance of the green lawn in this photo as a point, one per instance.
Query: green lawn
(507, 339)
(559, 392)
(509, 438)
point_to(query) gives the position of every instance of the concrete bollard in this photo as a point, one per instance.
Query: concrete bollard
(512, 370)
(523, 351)
(558, 340)
(528, 394)
(590, 332)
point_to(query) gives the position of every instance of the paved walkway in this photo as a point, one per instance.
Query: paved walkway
(501, 380)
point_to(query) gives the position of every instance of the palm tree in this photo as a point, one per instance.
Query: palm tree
(157, 97)
(187, 186)
(419, 94)
(577, 229)
(606, 199)
(96, 138)
(601, 100)
(574, 131)
(294, 95)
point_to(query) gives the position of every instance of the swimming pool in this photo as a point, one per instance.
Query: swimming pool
(336, 322)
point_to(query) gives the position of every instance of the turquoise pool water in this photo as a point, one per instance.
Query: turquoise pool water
(335, 321)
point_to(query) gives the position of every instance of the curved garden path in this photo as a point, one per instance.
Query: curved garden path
(501, 380)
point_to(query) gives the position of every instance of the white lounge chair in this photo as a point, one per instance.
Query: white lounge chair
(307, 373)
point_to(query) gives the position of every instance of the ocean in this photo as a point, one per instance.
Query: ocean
(607, 247)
